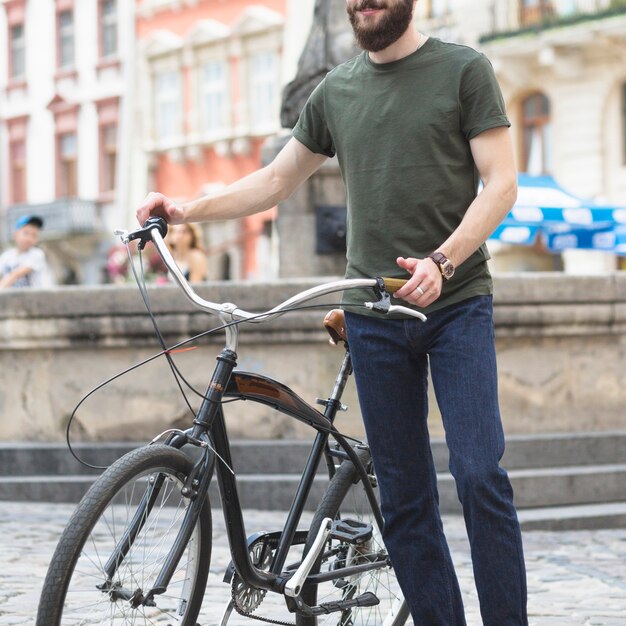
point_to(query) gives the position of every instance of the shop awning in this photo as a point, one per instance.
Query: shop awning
(544, 209)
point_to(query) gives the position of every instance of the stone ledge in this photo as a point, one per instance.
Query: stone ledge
(561, 344)
(511, 289)
(525, 304)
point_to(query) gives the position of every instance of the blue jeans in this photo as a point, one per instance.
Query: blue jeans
(391, 359)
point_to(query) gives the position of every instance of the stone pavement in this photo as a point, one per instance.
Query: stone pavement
(574, 578)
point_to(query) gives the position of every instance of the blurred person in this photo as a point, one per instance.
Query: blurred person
(185, 242)
(24, 265)
(118, 269)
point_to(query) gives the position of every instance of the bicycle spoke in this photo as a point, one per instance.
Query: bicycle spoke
(144, 550)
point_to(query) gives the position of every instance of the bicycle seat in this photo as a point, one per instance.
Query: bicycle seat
(335, 324)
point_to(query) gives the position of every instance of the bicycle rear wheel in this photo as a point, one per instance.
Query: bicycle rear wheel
(78, 591)
(346, 499)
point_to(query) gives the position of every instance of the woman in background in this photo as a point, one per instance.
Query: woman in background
(185, 241)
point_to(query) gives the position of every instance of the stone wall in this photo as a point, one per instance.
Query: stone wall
(561, 345)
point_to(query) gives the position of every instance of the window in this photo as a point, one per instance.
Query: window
(17, 58)
(437, 8)
(567, 7)
(536, 135)
(535, 11)
(17, 155)
(214, 97)
(108, 128)
(264, 88)
(66, 38)
(17, 132)
(168, 105)
(108, 28)
(67, 150)
(108, 149)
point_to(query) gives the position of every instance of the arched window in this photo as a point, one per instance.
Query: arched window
(535, 11)
(536, 135)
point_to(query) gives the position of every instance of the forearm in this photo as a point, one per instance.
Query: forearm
(261, 190)
(12, 277)
(482, 217)
(254, 193)
(493, 156)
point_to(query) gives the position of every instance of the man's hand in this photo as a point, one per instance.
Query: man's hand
(424, 286)
(158, 205)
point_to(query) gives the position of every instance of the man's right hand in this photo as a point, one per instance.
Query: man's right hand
(158, 205)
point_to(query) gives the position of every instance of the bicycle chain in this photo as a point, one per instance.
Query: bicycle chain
(249, 614)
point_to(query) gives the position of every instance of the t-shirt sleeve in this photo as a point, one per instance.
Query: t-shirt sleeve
(482, 104)
(311, 129)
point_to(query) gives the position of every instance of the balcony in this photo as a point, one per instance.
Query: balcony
(62, 218)
(511, 18)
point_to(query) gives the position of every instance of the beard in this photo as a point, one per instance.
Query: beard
(393, 24)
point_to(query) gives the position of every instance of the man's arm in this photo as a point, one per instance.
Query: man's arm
(257, 192)
(11, 278)
(493, 155)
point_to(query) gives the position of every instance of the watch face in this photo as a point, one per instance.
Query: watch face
(445, 265)
(447, 269)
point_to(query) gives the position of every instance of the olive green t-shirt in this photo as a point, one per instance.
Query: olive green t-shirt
(401, 134)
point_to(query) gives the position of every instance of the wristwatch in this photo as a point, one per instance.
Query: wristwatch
(444, 264)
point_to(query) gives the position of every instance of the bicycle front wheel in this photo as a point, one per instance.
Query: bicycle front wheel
(345, 499)
(78, 591)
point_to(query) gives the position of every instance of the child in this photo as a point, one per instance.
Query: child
(24, 265)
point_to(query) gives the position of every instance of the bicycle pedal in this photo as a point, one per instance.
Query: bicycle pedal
(351, 531)
(365, 599)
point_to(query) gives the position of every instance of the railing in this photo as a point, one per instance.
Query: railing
(512, 17)
(69, 216)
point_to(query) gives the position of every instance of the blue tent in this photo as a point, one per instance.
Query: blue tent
(544, 209)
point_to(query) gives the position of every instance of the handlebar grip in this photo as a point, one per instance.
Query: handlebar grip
(158, 223)
(393, 284)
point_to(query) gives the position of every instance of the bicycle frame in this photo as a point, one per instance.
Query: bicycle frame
(209, 431)
(210, 428)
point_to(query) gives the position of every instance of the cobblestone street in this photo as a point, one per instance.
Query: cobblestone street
(574, 578)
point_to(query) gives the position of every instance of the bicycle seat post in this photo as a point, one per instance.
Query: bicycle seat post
(231, 328)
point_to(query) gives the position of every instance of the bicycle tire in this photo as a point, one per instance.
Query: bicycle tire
(345, 497)
(96, 527)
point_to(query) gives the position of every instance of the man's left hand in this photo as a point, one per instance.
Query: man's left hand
(424, 286)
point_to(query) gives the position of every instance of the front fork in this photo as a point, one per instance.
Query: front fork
(195, 488)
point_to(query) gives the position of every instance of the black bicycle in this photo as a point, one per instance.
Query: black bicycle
(137, 549)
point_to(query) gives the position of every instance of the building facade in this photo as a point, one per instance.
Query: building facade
(209, 82)
(64, 69)
(102, 101)
(562, 68)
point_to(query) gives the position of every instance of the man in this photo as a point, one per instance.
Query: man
(24, 265)
(415, 123)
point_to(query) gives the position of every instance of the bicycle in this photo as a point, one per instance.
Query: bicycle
(138, 547)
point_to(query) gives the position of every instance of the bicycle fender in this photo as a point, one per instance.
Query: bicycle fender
(258, 388)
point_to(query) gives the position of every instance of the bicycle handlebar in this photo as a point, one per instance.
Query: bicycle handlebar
(155, 229)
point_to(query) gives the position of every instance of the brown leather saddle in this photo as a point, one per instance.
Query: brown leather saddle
(335, 324)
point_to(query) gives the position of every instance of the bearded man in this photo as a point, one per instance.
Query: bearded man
(415, 123)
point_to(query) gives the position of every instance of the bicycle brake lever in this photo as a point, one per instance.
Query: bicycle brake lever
(143, 233)
(385, 307)
(395, 308)
(384, 303)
